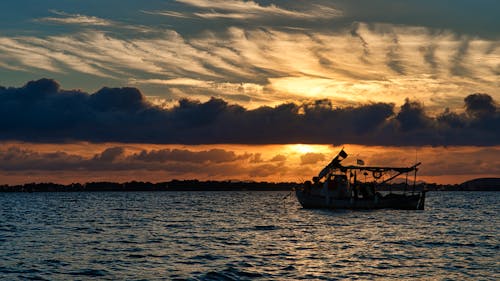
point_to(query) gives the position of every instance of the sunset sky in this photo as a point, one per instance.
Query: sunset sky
(246, 90)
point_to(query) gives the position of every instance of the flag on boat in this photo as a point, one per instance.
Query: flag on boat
(360, 162)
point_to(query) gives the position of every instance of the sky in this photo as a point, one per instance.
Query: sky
(247, 90)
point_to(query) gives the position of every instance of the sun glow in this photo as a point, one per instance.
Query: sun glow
(307, 148)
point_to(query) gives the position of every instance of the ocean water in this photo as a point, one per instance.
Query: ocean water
(243, 236)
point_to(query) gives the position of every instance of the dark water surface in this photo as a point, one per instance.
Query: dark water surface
(243, 235)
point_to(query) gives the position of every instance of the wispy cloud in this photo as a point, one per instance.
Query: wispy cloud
(175, 81)
(76, 19)
(377, 62)
(86, 21)
(173, 14)
(245, 10)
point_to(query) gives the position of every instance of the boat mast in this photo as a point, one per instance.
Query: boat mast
(415, 174)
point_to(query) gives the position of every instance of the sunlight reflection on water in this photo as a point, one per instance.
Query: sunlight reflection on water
(243, 235)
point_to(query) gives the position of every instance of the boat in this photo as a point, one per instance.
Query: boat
(337, 187)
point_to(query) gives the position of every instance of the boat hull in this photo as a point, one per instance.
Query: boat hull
(390, 201)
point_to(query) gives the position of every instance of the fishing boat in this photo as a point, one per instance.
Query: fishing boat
(337, 187)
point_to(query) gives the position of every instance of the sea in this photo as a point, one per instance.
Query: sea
(241, 235)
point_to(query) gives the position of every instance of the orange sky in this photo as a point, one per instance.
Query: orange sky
(417, 76)
(81, 162)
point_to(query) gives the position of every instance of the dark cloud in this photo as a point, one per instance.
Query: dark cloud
(110, 154)
(183, 155)
(122, 99)
(480, 105)
(451, 119)
(15, 158)
(41, 88)
(42, 112)
(412, 116)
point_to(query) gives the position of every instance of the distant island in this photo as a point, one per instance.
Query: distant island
(481, 184)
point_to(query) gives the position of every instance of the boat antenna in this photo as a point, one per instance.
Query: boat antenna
(415, 173)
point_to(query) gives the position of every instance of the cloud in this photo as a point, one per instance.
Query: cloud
(169, 14)
(278, 158)
(412, 116)
(41, 111)
(121, 163)
(32, 53)
(266, 170)
(430, 56)
(84, 162)
(353, 64)
(15, 158)
(110, 154)
(364, 43)
(183, 155)
(393, 58)
(480, 105)
(312, 158)
(76, 19)
(458, 67)
(244, 10)
(117, 99)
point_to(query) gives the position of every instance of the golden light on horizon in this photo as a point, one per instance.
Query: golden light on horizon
(307, 148)
(273, 163)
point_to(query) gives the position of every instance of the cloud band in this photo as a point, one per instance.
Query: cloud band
(41, 111)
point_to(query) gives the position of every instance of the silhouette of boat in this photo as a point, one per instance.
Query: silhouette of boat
(337, 187)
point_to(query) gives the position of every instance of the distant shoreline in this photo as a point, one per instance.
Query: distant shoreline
(196, 185)
(174, 185)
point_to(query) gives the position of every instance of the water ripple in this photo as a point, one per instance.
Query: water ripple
(243, 236)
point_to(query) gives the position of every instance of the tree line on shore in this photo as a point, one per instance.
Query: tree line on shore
(196, 185)
(173, 185)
